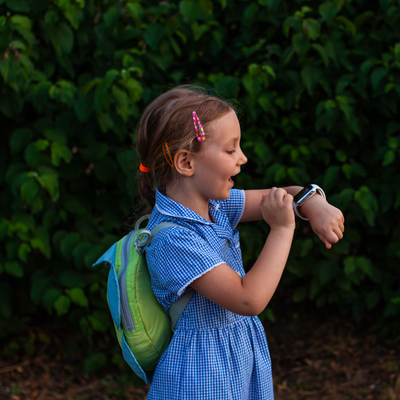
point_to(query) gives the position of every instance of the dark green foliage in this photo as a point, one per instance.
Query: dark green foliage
(317, 85)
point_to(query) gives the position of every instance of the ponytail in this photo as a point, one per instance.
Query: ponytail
(147, 189)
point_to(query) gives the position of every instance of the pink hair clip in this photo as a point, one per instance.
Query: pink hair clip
(196, 121)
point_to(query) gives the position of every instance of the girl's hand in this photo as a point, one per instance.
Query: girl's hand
(326, 221)
(277, 210)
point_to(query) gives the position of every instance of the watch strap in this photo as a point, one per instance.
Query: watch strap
(296, 206)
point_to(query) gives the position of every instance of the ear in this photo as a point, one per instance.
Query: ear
(183, 161)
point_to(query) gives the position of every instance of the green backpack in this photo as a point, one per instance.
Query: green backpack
(143, 328)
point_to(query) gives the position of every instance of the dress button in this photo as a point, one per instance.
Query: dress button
(227, 243)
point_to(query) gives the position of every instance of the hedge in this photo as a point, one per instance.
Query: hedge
(317, 84)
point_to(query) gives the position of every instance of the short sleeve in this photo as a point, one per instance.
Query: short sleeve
(233, 206)
(177, 257)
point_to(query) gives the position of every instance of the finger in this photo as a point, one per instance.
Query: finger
(272, 192)
(327, 244)
(328, 237)
(338, 233)
(288, 198)
(279, 194)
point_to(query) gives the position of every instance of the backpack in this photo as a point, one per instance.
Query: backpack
(143, 328)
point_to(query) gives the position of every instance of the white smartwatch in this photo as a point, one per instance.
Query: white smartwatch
(304, 195)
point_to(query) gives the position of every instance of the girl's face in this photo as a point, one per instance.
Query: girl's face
(220, 159)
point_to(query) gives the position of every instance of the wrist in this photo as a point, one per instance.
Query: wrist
(304, 200)
(307, 208)
(283, 229)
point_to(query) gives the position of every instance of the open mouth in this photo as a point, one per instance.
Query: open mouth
(230, 180)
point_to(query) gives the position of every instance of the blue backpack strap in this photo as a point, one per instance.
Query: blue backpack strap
(179, 306)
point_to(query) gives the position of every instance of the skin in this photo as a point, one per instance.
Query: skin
(207, 175)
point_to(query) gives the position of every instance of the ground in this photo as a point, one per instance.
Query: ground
(317, 357)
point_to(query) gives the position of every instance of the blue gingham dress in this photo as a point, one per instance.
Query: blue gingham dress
(214, 353)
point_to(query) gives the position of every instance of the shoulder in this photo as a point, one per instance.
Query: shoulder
(175, 236)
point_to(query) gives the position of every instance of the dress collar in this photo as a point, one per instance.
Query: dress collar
(171, 208)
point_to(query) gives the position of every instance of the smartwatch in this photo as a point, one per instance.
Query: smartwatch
(304, 195)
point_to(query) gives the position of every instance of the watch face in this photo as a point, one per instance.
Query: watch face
(302, 192)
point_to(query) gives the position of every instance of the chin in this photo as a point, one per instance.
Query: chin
(223, 197)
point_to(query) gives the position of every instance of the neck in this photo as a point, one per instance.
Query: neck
(183, 193)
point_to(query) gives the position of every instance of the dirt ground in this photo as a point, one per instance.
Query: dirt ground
(318, 358)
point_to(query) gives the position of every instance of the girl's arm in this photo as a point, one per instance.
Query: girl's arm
(326, 221)
(250, 295)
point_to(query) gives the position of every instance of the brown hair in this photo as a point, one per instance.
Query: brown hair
(169, 119)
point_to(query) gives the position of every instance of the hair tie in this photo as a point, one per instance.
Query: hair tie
(170, 161)
(143, 168)
(200, 137)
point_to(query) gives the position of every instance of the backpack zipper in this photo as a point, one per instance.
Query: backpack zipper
(126, 313)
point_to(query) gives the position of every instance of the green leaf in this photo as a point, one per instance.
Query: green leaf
(41, 242)
(78, 296)
(322, 53)
(71, 279)
(14, 269)
(154, 34)
(29, 190)
(349, 265)
(396, 51)
(271, 4)
(122, 103)
(366, 199)
(21, 21)
(330, 177)
(50, 296)
(38, 287)
(365, 265)
(310, 76)
(23, 251)
(97, 325)
(191, 11)
(389, 157)
(62, 38)
(328, 11)
(348, 24)
(253, 84)
(377, 75)
(327, 271)
(68, 243)
(312, 28)
(19, 139)
(95, 152)
(62, 305)
(18, 5)
(135, 10)
(83, 108)
(50, 183)
(59, 152)
(300, 44)
(109, 78)
(106, 169)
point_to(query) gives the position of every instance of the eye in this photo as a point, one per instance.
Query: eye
(231, 151)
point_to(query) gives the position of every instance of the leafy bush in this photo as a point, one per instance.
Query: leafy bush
(318, 84)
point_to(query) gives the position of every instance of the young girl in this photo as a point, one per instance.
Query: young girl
(189, 146)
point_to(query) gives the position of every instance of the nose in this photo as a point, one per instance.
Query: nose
(242, 158)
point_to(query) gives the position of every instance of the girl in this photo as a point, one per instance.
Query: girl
(189, 146)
